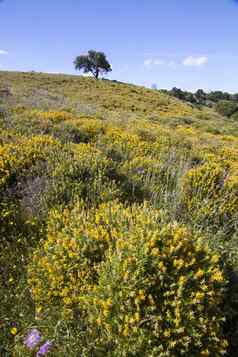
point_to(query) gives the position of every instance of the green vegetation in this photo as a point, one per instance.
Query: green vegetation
(226, 108)
(94, 62)
(118, 221)
(224, 103)
(201, 97)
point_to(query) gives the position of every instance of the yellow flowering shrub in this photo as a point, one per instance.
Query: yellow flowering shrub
(158, 291)
(66, 265)
(203, 182)
(53, 116)
(140, 167)
(83, 172)
(138, 286)
(141, 177)
(7, 162)
(118, 144)
(89, 129)
(210, 193)
(24, 153)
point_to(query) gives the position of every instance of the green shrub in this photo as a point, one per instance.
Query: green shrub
(226, 108)
(82, 172)
(133, 285)
(209, 194)
(235, 116)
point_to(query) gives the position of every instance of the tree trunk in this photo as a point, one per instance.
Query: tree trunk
(96, 73)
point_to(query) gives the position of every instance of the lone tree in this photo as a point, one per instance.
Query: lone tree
(94, 62)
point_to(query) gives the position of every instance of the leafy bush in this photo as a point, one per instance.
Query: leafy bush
(17, 158)
(53, 116)
(235, 116)
(83, 172)
(135, 285)
(210, 194)
(226, 108)
(21, 162)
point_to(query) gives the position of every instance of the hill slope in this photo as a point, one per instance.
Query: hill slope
(83, 94)
(118, 220)
(107, 100)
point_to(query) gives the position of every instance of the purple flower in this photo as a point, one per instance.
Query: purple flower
(140, 171)
(44, 348)
(32, 339)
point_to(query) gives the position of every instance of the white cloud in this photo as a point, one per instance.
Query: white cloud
(172, 64)
(158, 62)
(3, 52)
(195, 61)
(150, 62)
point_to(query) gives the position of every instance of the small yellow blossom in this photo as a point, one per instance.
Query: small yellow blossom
(13, 331)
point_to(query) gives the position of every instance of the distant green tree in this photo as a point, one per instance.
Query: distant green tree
(226, 108)
(200, 96)
(93, 62)
(189, 97)
(178, 93)
(215, 96)
(235, 97)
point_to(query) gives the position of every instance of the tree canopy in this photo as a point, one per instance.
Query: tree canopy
(93, 62)
(201, 97)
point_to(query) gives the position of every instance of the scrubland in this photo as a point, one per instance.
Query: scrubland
(119, 218)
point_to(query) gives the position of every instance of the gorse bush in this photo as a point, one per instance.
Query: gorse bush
(210, 194)
(83, 171)
(22, 164)
(17, 158)
(79, 245)
(164, 313)
(53, 116)
(137, 286)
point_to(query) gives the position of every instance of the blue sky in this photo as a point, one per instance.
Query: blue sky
(185, 43)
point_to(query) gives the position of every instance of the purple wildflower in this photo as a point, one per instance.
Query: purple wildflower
(32, 339)
(44, 348)
(140, 171)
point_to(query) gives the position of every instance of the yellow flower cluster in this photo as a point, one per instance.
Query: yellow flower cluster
(210, 189)
(66, 265)
(7, 162)
(53, 116)
(132, 277)
(22, 154)
(90, 129)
